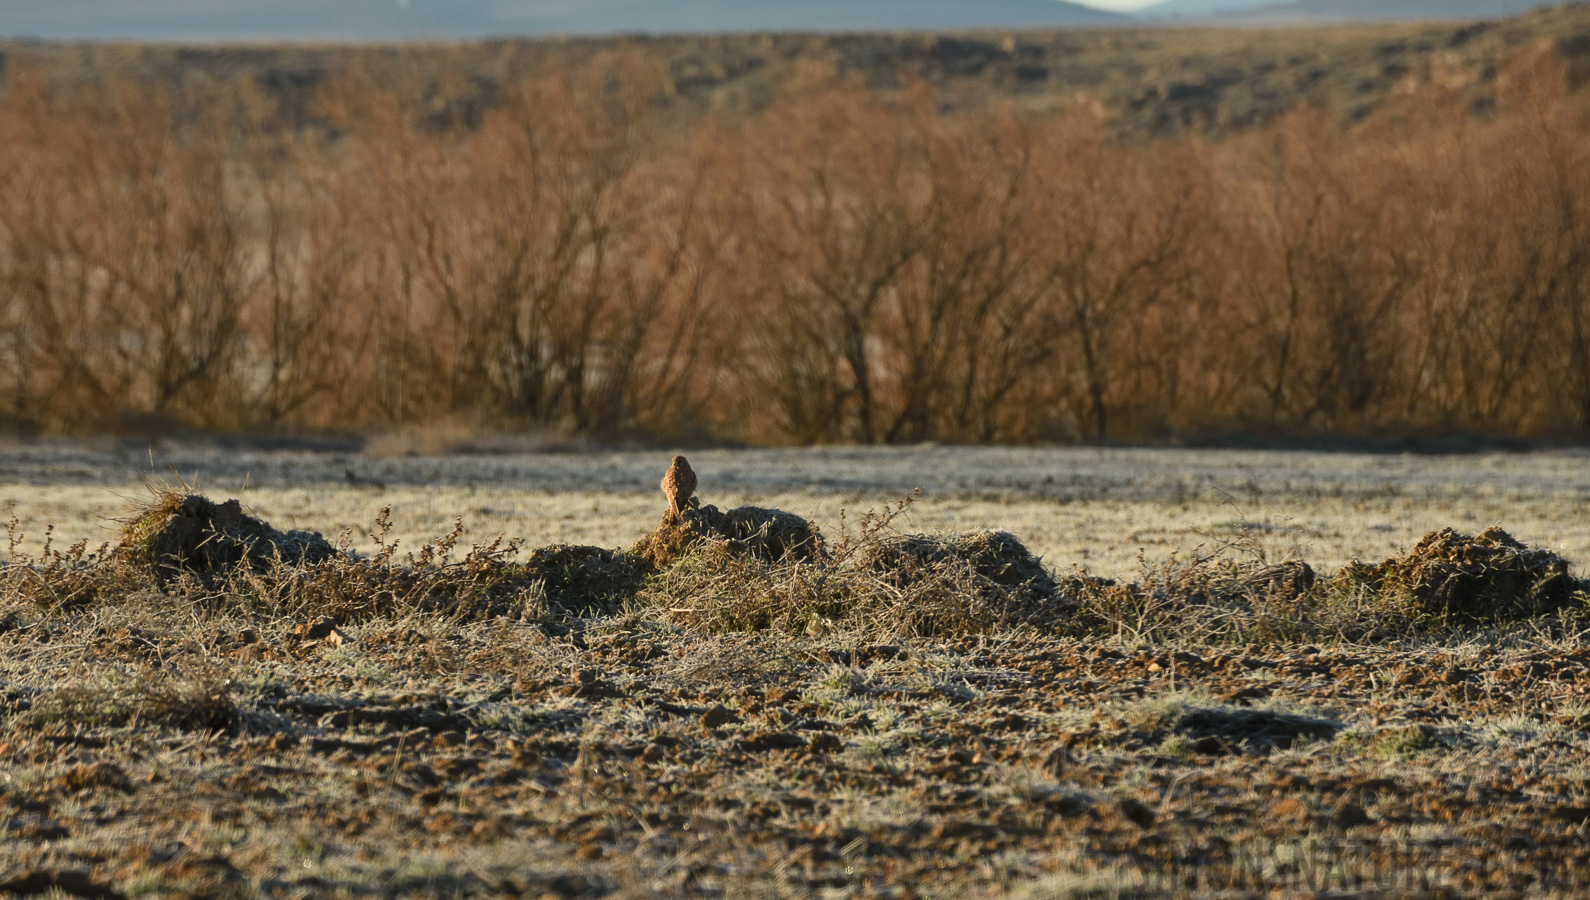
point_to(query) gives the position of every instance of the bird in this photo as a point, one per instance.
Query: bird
(679, 482)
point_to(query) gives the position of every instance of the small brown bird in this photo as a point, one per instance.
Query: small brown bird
(679, 483)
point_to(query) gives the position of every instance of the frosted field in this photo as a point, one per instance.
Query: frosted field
(1095, 508)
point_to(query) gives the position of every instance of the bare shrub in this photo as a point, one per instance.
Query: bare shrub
(561, 250)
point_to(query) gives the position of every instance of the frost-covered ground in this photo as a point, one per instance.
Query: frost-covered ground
(1092, 507)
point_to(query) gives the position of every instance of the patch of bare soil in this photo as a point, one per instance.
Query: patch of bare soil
(624, 760)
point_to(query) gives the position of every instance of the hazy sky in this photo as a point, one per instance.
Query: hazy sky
(1118, 5)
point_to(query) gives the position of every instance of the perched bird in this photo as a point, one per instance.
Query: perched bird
(679, 482)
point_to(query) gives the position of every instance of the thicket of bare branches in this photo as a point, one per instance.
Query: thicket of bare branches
(839, 267)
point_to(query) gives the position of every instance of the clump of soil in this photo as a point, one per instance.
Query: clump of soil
(768, 534)
(1217, 730)
(190, 533)
(1454, 578)
(584, 580)
(965, 583)
(998, 556)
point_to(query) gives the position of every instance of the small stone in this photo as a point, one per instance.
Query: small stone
(1350, 814)
(778, 695)
(717, 717)
(317, 630)
(826, 743)
(1136, 812)
(776, 740)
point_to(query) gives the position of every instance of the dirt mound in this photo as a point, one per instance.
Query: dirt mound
(1225, 730)
(583, 580)
(965, 583)
(998, 556)
(190, 533)
(770, 534)
(1456, 578)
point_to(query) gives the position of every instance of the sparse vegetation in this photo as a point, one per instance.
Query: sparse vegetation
(909, 713)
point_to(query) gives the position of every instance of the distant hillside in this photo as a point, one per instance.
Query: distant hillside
(672, 16)
(1312, 11)
(1188, 9)
(1149, 81)
(199, 20)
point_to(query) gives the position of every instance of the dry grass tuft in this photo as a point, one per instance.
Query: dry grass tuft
(998, 556)
(58, 581)
(1447, 584)
(483, 583)
(873, 582)
(1215, 599)
(585, 580)
(716, 590)
(201, 701)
